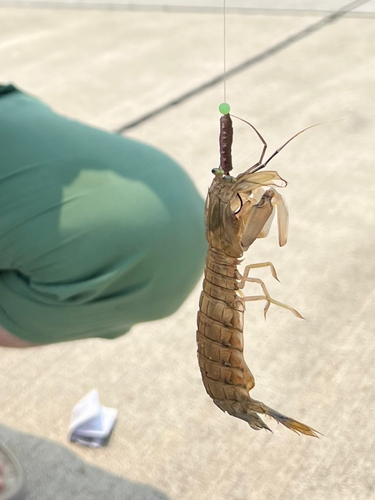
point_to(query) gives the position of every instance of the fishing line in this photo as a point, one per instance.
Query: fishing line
(224, 108)
(225, 51)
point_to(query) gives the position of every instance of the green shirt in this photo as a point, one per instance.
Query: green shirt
(97, 232)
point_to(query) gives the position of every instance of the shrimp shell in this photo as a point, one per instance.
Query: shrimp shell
(235, 217)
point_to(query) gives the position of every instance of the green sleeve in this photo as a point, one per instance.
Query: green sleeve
(97, 232)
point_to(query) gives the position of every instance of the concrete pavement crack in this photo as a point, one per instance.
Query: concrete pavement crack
(252, 61)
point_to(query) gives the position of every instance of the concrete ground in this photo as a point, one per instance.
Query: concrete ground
(109, 68)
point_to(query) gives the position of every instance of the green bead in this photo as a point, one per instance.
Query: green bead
(224, 108)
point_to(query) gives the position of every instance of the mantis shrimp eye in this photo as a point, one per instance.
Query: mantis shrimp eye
(217, 171)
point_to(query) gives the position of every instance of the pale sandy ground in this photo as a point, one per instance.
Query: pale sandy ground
(109, 67)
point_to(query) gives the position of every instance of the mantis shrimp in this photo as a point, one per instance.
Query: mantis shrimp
(238, 211)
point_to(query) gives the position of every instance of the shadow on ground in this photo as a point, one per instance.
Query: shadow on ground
(52, 471)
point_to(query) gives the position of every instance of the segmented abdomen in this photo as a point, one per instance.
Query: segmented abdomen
(219, 337)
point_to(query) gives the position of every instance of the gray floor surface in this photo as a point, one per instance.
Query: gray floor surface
(243, 6)
(109, 68)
